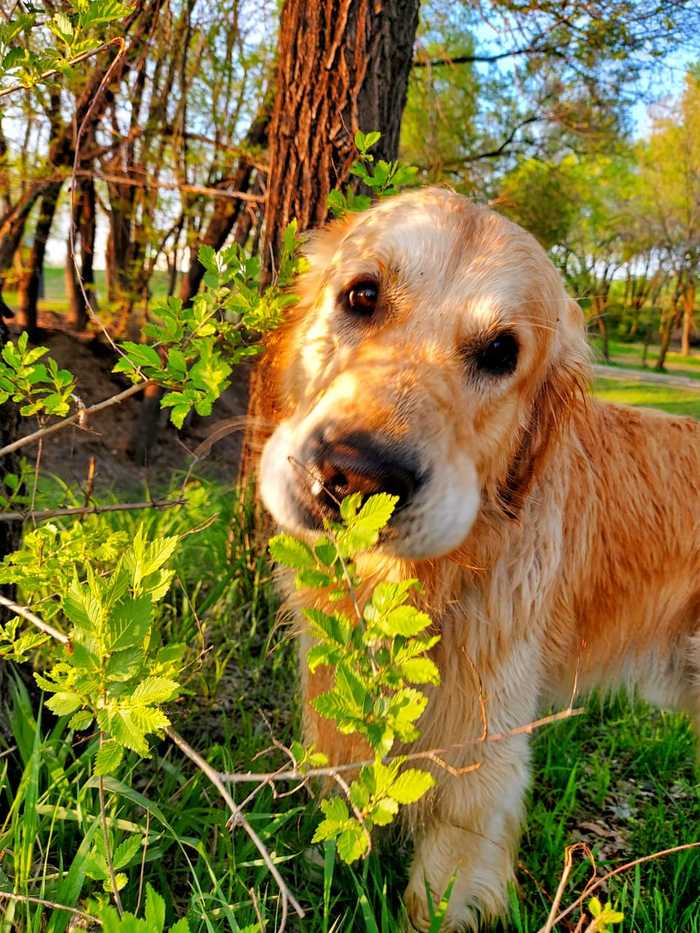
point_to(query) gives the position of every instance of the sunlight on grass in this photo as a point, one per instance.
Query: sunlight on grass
(673, 400)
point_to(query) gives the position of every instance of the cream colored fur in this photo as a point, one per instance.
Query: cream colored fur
(558, 538)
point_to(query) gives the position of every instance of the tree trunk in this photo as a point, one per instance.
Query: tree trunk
(31, 282)
(343, 67)
(91, 103)
(84, 226)
(688, 313)
(667, 330)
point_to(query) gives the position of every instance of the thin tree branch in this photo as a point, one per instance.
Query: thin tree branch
(238, 817)
(469, 59)
(39, 516)
(169, 185)
(28, 899)
(616, 871)
(79, 415)
(35, 620)
(54, 71)
(250, 777)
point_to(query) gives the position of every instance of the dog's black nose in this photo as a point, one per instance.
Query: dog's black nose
(358, 462)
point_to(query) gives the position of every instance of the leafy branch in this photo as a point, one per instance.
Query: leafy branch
(377, 658)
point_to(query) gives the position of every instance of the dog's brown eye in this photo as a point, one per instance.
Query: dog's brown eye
(499, 357)
(362, 297)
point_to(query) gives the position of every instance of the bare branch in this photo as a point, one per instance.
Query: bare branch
(475, 59)
(147, 182)
(79, 415)
(551, 923)
(434, 754)
(35, 620)
(40, 515)
(28, 899)
(238, 817)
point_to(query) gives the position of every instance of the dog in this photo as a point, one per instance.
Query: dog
(435, 354)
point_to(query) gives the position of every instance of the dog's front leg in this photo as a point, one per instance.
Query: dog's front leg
(472, 836)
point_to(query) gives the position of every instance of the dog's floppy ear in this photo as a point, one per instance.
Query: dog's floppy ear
(267, 398)
(564, 388)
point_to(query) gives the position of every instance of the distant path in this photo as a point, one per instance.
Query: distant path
(646, 375)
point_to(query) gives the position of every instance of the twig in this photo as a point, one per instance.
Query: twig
(27, 898)
(89, 510)
(54, 71)
(35, 620)
(616, 871)
(433, 754)
(79, 415)
(238, 817)
(147, 182)
(143, 861)
(568, 864)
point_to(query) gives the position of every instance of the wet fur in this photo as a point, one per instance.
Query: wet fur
(582, 567)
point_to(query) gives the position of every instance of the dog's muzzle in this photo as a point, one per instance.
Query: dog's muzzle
(336, 465)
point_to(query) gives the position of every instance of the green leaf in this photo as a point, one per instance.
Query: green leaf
(420, 671)
(154, 690)
(384, 811)
(129, 622)
(155, 910)
(108, 758)
(81, 720)
(411, 785)
(404, 620)
(312, 579)
(292, 553)
(64, 702)
(353, 843)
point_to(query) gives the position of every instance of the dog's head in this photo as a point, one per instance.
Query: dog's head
(432, 354)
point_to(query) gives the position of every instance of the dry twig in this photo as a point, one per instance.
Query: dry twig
(23, 516)
(78, 416)
(35, 620)
(238, 817)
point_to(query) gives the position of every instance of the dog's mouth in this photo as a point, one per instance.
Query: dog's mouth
(317, 503)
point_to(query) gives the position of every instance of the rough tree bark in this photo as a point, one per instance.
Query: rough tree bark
(343, 67)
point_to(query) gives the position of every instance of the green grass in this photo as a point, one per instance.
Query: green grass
(650, 395)
(621, 777)
(55, 289)
(630, 356)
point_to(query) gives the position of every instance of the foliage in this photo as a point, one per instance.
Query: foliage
(74, 32)
(112, 670)
(383, 178)
(376, 658)
(43, 389)
(196, 347)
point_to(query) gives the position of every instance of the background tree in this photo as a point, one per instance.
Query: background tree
(670, 168)
(343, 66)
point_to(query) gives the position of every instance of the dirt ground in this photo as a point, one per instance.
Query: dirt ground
(108, 435)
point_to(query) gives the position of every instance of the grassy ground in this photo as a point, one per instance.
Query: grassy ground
(54, 298)
(630, 356)
(673, 400)
(620, 778)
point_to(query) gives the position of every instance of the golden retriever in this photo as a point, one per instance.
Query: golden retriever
(436, 355)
